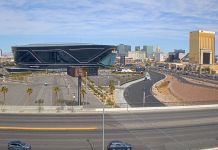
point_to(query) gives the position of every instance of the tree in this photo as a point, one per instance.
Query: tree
(118, 79)
(4, 90)
(111, 81)
(123, 76)
(83, 92)
(61, 101)
(30, 91)
(56, 89)
(21, 78)
(112, 88)
(40, 101)
(73, 102)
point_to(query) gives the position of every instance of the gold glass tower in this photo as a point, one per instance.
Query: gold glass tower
(201, 40)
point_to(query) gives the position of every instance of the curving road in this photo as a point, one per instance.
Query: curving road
(134, 93)
(145, 130)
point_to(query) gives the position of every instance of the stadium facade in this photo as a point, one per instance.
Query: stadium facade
(55, 56)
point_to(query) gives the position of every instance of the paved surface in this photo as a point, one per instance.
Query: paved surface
(17, 91)
(134, 93)
(145, 130)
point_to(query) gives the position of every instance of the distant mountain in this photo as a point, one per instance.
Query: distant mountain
(6, 53)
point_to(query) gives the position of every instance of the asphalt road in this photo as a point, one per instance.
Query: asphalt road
(148, 130)
(134, 93)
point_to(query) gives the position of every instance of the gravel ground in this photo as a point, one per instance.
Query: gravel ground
(189, 92)
(185, 92)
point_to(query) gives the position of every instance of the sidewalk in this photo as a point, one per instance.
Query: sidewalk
(119, 98)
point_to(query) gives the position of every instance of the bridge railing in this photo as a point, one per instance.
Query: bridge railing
(165, 104)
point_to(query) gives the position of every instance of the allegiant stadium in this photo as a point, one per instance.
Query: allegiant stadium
(55, 56)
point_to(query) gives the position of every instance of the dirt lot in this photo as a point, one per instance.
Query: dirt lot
(179, 92)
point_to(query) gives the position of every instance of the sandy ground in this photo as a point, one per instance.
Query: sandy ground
(181, 92)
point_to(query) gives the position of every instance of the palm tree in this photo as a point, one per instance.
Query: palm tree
(118, 81)
(4, 90)
(111, 81)
(56, 89)
(30, 91)
(112, 88)
(83, 92)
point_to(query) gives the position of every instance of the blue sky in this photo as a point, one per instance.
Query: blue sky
(131, 22)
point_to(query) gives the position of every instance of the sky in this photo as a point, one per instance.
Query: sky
(110, 22)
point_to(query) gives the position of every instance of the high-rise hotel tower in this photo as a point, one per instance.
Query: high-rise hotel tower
(202, 47)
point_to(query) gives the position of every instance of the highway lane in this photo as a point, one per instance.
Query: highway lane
(145, 130)
(134, 93)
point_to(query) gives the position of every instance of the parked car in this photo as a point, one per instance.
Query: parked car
(18, 145)
(118, 145)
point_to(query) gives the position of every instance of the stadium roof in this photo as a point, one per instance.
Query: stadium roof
(53, 44)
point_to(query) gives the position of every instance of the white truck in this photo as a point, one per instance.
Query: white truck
(147, 78)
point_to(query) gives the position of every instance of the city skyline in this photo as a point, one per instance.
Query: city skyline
(109, 22)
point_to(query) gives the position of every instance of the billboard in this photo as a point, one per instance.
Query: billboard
(179, 51)
(81, 71)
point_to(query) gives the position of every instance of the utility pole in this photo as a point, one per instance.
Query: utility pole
(144, 96)
(86, 89)
(103, 122)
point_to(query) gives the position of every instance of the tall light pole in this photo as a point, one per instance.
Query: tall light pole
(86, 89)
(200, 64)
(68, 87)
(144, 96)
(165, 96)
(103, 122)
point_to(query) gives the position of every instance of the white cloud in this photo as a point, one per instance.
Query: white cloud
(129, 18)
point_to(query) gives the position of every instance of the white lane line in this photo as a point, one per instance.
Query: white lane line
(131, 132)
(159, 130)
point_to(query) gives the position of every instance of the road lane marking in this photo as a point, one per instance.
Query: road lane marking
(24, 128)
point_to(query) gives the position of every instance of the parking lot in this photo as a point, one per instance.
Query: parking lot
(17, 94)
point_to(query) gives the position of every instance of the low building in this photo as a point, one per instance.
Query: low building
(137, 55)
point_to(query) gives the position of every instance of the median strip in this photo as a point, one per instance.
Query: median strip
(24, 128)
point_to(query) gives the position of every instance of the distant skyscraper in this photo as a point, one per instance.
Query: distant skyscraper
(158, 50)
(127, 49)
(123, 49)
(205, 41)
(137, 48)
(0, 53)
(148, 50)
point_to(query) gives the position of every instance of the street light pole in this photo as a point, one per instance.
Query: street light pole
(103, 122)
(165, 96)
(86, 89)
(144, 96)
(68, 87)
